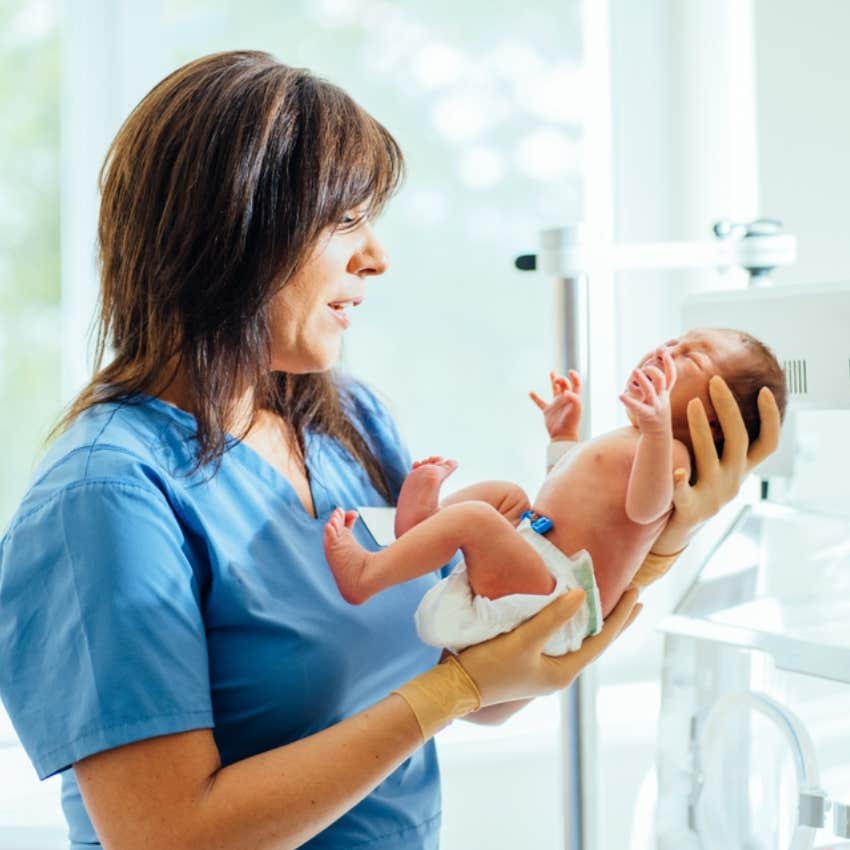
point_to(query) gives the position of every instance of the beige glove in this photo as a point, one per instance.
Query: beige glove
(653, 567)
(511, 666)
(718, 479)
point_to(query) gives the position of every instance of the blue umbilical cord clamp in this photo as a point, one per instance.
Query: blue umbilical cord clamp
(540, 524)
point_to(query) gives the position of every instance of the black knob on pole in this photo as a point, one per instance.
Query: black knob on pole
(526, 262)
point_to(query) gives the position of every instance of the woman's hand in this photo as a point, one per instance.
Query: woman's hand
(718, 479)
(512, 666)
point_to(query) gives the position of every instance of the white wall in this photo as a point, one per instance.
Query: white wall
(803, 78)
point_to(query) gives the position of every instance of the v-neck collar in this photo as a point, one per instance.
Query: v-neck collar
(248, 457)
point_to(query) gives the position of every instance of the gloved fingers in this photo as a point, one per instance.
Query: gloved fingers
(564, 668)
(768, 438)
(735, 438)
(633, 614)
(705, 452)
(684, 501)
(615, 622)
(537, 630)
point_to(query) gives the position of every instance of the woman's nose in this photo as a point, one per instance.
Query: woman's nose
(371, 259)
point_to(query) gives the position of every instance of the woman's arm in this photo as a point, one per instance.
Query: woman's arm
(172, 791)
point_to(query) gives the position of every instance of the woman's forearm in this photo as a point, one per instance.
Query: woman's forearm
(171, 791)
(284, 797)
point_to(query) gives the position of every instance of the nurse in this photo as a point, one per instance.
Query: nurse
(171, 638)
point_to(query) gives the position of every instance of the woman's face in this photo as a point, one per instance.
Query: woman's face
(311, 312)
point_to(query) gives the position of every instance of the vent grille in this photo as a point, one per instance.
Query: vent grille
(795, 377)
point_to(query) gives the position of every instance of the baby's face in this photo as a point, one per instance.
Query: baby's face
(698, 355)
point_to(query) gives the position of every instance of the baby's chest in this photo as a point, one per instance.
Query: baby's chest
(600, 471)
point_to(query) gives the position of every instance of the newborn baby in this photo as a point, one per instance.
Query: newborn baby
(602, 506)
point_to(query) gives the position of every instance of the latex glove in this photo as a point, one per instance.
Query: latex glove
(718, 479)
(512, 666)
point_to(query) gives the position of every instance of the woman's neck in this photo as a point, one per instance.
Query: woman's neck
(177, 393)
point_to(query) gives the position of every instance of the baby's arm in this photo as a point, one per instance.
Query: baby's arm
(650, 489)
(562, 415)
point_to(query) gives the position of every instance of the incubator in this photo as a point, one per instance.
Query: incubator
(754, 743)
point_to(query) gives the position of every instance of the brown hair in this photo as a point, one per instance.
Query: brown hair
(748, 376)
(214, 192)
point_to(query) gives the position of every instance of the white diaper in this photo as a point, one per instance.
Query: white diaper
(450, 615)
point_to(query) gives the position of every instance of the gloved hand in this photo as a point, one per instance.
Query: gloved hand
(718, 479)
(511, 666)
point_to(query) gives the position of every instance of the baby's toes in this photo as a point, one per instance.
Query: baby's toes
(427, 461)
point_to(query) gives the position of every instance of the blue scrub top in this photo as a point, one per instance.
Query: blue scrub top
(137, 601)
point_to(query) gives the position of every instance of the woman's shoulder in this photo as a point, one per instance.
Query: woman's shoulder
(126, 444)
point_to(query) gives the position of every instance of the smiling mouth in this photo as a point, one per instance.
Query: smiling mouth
(339, 306)
(338, 309)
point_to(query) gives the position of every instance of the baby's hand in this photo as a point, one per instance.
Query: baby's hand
(648, 396)
(563, 413)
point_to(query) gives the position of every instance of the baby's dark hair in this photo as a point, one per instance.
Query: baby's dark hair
(745, 379)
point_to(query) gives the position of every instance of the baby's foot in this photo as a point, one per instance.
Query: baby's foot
(347, 558)
(420, 492)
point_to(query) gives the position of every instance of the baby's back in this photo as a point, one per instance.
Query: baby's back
(585, 496)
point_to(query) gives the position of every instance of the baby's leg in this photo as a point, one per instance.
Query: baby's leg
(419, 495)
(498, 560)
(509, 499)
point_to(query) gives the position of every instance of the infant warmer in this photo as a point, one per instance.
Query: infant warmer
(754, 731)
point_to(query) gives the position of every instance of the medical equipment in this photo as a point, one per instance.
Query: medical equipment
(756, 682)
(753, 740)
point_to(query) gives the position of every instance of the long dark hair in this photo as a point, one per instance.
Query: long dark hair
(214, 193)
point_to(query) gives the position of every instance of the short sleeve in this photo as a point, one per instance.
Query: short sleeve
(102, 641)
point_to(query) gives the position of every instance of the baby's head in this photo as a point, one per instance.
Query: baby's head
(744, 362)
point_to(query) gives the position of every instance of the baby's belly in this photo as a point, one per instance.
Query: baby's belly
(596, 520)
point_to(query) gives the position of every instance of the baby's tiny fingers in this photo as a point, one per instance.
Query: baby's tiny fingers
(538, 401)
(657, 377)
(644, 384)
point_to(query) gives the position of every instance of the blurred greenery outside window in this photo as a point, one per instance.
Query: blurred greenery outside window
(30, 321)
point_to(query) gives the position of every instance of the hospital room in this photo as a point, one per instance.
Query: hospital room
(578, 272)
